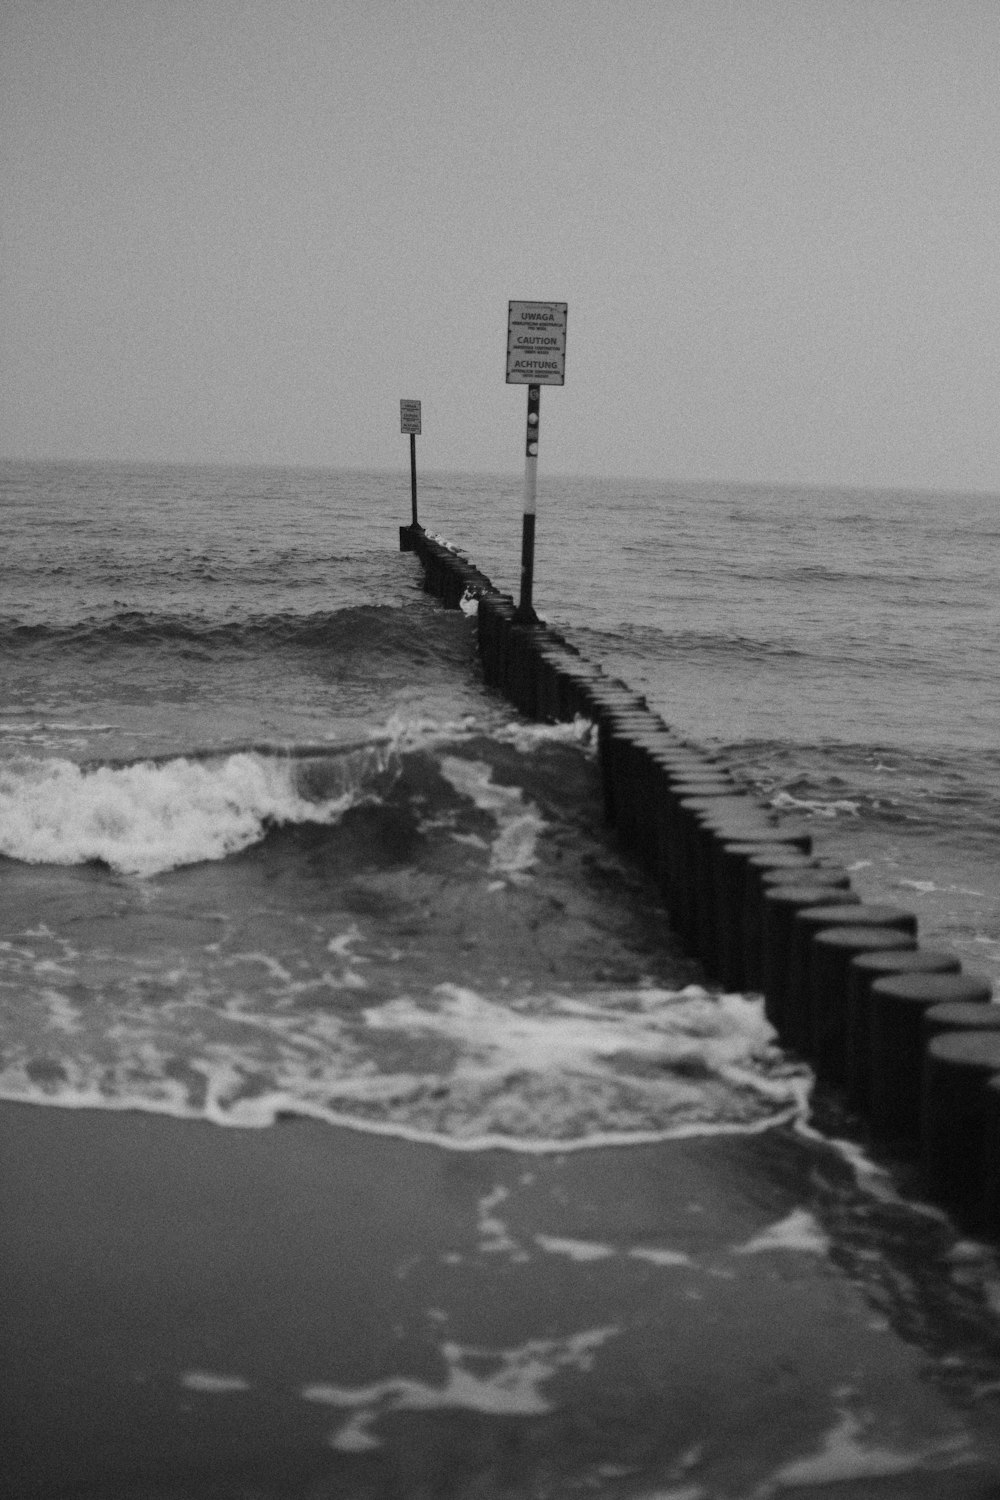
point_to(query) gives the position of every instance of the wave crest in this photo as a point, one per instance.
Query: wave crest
(151, 816)
(369, 628)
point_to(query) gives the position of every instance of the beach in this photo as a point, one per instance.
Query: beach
(308, 1311)
(367, 1128)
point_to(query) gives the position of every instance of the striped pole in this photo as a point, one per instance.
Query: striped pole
(525, 611)
(413, 477)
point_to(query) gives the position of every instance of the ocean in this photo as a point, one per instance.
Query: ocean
(251, 779)
(837, 645)
(270, 850)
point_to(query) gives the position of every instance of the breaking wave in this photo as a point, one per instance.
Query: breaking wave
(147, 817)
(144, 817)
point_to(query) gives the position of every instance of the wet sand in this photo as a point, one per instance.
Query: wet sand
(313, 1312)
(309, 1311)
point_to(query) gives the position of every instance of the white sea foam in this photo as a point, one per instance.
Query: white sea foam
(657, 1257)
(846, 1458)
(405, 732)
(494, 1236)
(642, 1063)
(787, 803)
(146, 818)
(797, 1231)
(502, 1383)
(519, 823)
(542, 1072)
(582, 1251)
(526, 737)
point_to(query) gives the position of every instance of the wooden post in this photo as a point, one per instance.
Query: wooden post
(525, 612)
(413, 476)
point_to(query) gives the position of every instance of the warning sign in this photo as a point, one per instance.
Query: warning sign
(409, 416)
(536, 343)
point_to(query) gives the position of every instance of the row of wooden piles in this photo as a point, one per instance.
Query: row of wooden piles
(911, 1041)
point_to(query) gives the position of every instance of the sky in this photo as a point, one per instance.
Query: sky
(242, 230)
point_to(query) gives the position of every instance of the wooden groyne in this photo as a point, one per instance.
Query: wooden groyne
(910, 1041)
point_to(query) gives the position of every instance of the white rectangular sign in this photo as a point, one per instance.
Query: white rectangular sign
(409, 416)
(536, 343)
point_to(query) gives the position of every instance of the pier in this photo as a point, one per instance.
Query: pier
(898, 1032)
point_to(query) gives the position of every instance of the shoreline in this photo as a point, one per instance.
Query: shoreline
(316, 1309)
(307, 1310)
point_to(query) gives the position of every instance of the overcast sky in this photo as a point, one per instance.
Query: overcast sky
(241, 230)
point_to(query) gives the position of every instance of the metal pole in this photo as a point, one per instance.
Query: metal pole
(413, 475)
(525, 611)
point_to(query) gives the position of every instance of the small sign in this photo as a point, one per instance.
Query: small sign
(409, 416)
(536, 343)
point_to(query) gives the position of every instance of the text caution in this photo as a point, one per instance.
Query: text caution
(536, 343)
(409, 416)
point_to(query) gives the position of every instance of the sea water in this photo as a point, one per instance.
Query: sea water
(269, 848)
(838, 645)
(260, 819)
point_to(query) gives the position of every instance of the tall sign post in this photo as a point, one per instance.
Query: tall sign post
(409, 421)
(536, 356)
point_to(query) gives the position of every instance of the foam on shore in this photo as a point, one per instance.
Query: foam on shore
(469, 1072)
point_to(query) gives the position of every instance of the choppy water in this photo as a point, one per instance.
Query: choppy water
(841, 645)
(270, 847)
